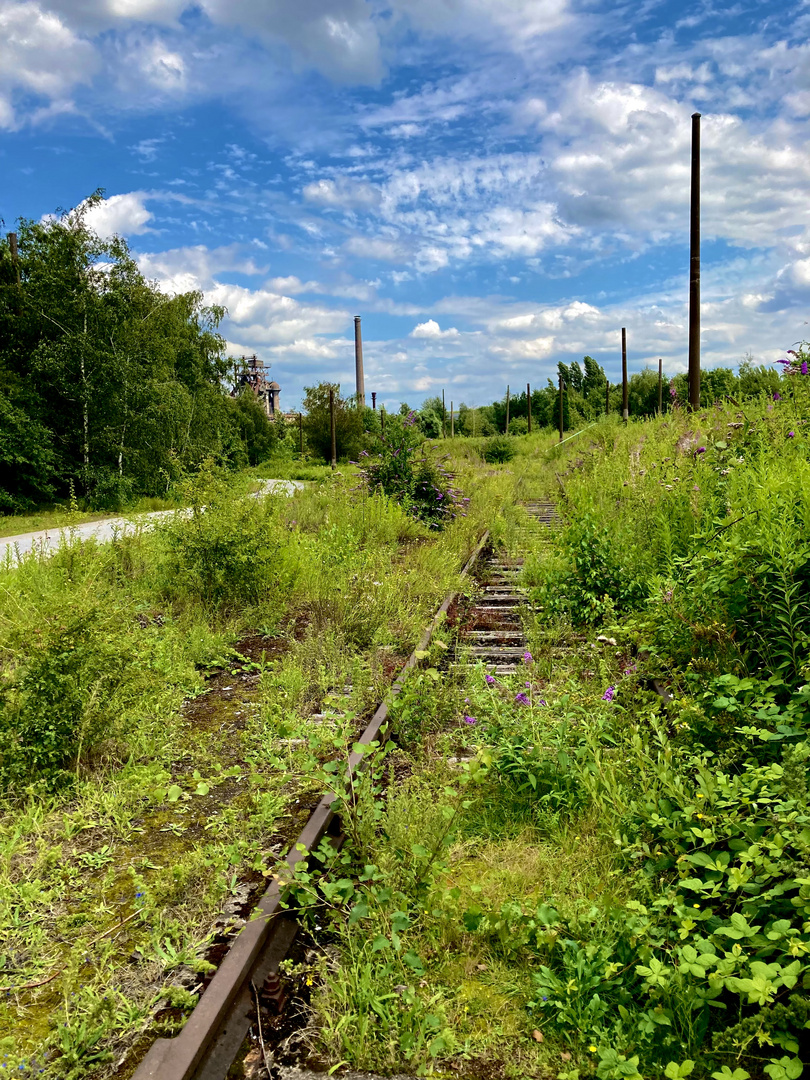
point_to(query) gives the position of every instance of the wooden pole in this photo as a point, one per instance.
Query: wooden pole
(507, 411)
(625, 413)
(660, 385)
(332, 425)
(694, 270)
(561, 408)
(529, 407)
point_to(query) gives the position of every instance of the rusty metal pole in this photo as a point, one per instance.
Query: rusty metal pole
(660, 385)
(332, 425)
(374, 400)
(507, 410)
(529, 407)
(301, 433)
(452, 423)
(358, 364)
(444, 418)
(561, 408)
(694, 270)
(625, 412)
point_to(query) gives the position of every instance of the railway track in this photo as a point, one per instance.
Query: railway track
(248, 978)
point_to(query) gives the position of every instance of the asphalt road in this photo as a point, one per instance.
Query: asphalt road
(108, 528)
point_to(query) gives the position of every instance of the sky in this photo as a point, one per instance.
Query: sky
(493, 185)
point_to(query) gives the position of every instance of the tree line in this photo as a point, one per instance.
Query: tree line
(108, 387)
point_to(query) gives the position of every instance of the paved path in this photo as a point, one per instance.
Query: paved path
(108, 528)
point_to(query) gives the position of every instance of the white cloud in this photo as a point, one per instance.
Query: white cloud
(124, 215)
(431, 329)
(188, 268)
(344, 193)
(39, 55)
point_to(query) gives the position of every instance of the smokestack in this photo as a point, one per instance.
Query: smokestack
(358, 364)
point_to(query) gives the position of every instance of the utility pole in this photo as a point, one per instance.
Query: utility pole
(332, 425)
(374, 400)
(625, 413)
(694, 270)
(529, 407)
(507, 411)
(358, 364)
(561, 408)
(660, 385)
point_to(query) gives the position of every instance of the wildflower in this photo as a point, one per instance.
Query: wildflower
(527, 658)
(540, 701)
(630, 669)
(609, 694)
(521, 699)
(791, 435)
(528, 685)
(673, 392)
(777, 396)
(490, 679)
(592, 1048)
(470, 720)
(701, 450)
(804, 367)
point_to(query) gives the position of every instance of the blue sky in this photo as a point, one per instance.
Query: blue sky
(494, 185)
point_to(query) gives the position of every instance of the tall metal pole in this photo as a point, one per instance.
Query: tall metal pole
(358, 364)
(624, 375)
(444, 418)
(507, 410)
(332, 425)
(561, 410)
(694, 271)
(529, 407)
(374, 400)
(660, 385)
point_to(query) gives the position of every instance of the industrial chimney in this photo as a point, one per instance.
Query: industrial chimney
(358, 364)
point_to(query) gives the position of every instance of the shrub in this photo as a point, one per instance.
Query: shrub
(498, 450)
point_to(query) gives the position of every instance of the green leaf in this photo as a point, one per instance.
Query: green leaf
(174, 793)
(202, 788)
(380, 942)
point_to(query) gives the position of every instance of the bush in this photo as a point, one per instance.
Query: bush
(498, 450)
(418, 482)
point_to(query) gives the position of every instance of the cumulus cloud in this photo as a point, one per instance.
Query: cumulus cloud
(431, 329)
(343, 193)
(122, 215)
(196, 267)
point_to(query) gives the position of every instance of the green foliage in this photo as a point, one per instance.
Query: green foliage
(348, 423)
(105, 381)
(498, 450)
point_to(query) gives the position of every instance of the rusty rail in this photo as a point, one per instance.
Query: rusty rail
(211, 1038)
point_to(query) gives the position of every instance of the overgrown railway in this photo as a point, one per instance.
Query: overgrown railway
(247, 983)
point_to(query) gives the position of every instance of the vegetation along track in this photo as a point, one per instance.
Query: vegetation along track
(248, 975)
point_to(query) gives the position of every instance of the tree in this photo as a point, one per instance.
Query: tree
(348, 423)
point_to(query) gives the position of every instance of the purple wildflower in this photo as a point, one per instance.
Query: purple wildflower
(783, 362)
(791, 435)
(777, 396)
(490, 679)
(630, 669)
(609, 693)
(540, 701)
(527, 657)
(804, 367)
(701, 450)
(528, 685)
(470, 720)
(521, 699)
(673, 392)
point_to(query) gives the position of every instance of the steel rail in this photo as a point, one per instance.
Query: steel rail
(210, 1040)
